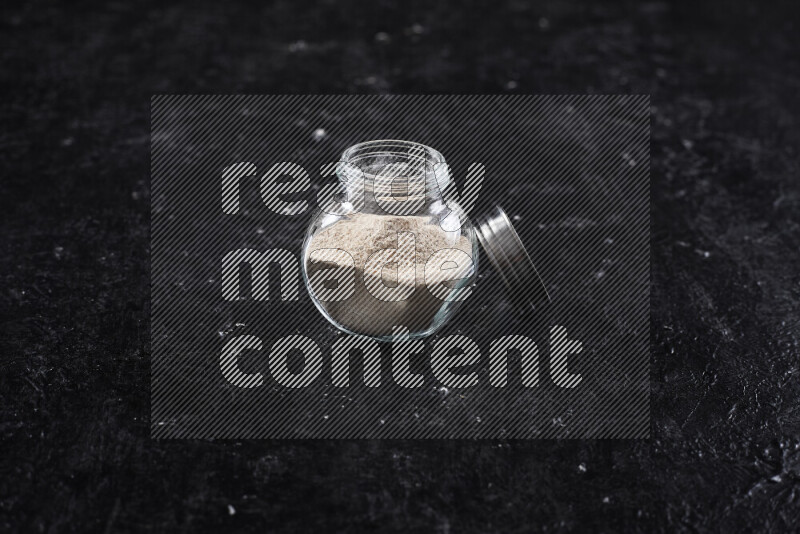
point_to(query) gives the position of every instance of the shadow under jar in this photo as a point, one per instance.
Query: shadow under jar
(386, 251)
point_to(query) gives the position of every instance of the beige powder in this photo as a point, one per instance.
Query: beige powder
(361, 236)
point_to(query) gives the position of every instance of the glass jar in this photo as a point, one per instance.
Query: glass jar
(385, 250)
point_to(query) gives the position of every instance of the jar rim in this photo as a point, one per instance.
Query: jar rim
(374, 148)
(430, 163)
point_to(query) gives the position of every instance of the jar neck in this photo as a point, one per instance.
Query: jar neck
(393, 177)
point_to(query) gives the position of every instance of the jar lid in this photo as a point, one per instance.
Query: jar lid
(507, 254)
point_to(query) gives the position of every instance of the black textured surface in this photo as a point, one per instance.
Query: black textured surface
(725, 452)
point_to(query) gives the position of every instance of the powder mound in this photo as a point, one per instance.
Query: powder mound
(372, 308)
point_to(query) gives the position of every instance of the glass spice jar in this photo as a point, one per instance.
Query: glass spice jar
(387, 251)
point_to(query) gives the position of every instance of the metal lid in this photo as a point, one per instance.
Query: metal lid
(507, 254)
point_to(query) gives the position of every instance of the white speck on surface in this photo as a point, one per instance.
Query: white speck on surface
(231, 510)
(443, 390)
(687, 144)
(478, 419)
(382, 421)
(606, 500)
(627, 157)
(582, 468)
(319, 134)
(704, 253)
(325, 416)
(57, 252)
(298, 46)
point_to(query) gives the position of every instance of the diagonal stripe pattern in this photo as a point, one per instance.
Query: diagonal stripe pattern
(239, 350)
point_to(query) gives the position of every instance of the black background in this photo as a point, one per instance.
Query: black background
(76, 453)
